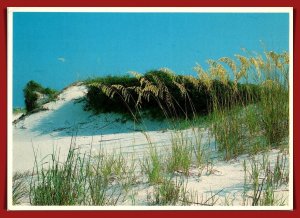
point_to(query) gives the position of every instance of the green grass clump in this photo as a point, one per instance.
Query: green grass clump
(180, 157)
(169, 192)
(82, 180)
(274, 112)
(32, 92)
(201, 150)
(60, 184)
(228, 132)
(262, 180)
(152, 166)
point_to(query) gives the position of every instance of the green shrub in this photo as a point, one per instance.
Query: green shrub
(159, 94)
(32, 91)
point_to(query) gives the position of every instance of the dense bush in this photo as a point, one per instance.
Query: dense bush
(99, 101)
(160, 94)
(33, 92)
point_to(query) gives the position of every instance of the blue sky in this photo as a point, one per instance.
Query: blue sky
(56, 49)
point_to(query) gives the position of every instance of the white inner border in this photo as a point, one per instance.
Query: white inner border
(10, 12)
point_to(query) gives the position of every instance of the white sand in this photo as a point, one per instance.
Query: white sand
(54, 129)
(50, 130)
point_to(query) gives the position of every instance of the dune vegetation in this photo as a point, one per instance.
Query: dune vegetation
(242, 102)
(36, 95)
(249, 110)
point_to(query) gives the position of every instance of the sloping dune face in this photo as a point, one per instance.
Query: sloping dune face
(65, 121)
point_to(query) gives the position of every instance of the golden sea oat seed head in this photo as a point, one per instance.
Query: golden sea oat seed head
(150, 88)
(244, 61)
(198, 68)
(136, 74)
(260, 62)
(240, 74)
(222, 74)
(108, 91)
(123, 91)
(207, 80)
(161, 86)
(286, 58)
(218, 71)
(230, 63)
(95, 84)
(203, 76)
(181, 88)
(256, 65)
(275, 58)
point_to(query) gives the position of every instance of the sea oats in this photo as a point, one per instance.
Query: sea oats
(268, 63)
(256, 65)
(260, 61)
(108, 91)
(286, 58)
(160, 85)
(123, 91)
(271, 84)
(241, 73)
(217, 71)
(203, 76)
(193, 80)
(181, 88)
(275, 58)
(150, 88)
(168, 71)
(138, 90)
(244, 61)
(136, 75)
(243, 67)
(230, 63)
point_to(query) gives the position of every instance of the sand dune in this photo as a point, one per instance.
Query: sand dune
(65, 121)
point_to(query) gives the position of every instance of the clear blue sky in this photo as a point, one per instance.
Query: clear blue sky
(55, 49)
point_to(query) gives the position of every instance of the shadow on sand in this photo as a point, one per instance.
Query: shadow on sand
(70, 118)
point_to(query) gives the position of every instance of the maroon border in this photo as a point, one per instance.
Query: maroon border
(141, 3)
